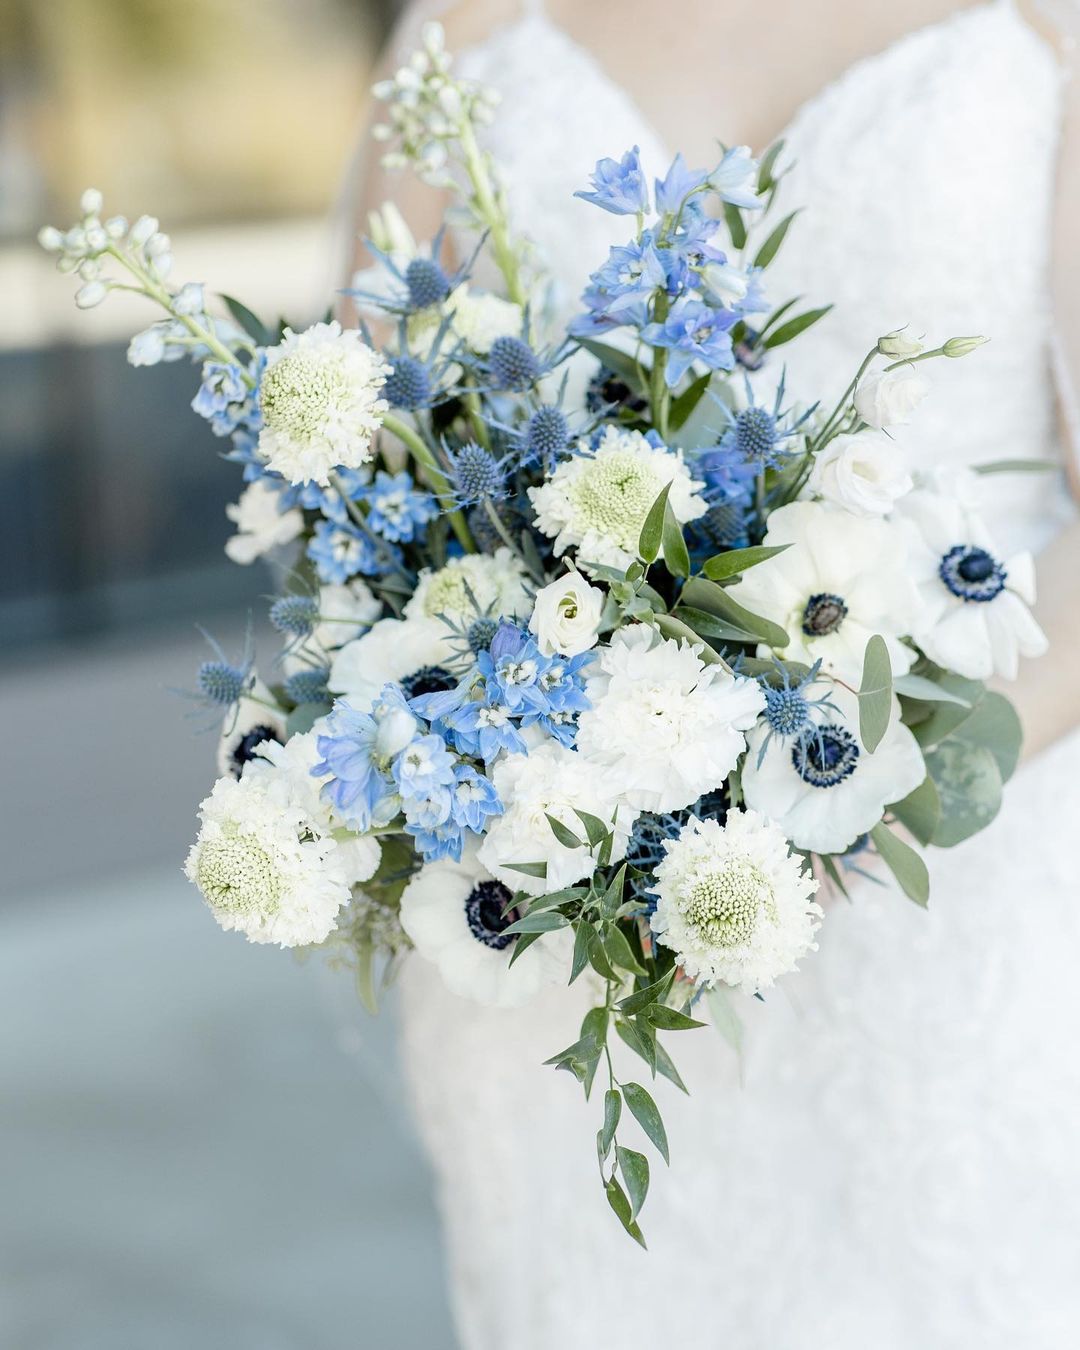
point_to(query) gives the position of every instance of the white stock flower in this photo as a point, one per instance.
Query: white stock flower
(596, 501)
(974, 616)
(392, 650)
(453, 913)
(864, 474)
(664, 726)
(841, 580)
(887, 398)
(320, 402)
(566, 615)
(549, 780)
(477, 583)
(255, 719)
(260, 525)
(825, 789)
(734, 902)
(266, 860)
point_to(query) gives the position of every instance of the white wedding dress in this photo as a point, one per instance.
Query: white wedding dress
(895, 1163)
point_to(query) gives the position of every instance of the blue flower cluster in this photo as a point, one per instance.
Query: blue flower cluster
(396, 513)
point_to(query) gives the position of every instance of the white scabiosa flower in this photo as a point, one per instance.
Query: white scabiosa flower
(733, 903)
(824, 788)
(566, 615)
(320, 402)
(549, 781)
(597, 501)
(841, 580)
(974, 616)
(664, 726)
(454, 914)
(887, 398)
(865, 474)
(475, 584)
(266, 860)
(411, 652)
(260, 523)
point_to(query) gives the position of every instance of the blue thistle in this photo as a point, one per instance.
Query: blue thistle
(513, 364)
(409, 384)
(476, 475)
(294, 614)
(754, 434)
(426, 283)
(547, 435)
(222, 684)
(308, 686)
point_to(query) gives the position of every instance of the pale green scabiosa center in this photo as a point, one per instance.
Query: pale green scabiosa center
(613, 494)
(238, 876)
(299, 391)
(447, 594)
(726, 905)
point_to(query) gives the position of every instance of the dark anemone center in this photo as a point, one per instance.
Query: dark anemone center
(825, 756)
(484, 914)
(972, 573)
(427, 680)
(824, 613)
(243, 752)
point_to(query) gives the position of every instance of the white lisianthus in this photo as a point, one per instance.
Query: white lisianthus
(825, 789)
(864, 474)
(549, 781)
(469, 586)
(255, 719)
(266, 860)
(664, 726)
(596, 501)
(974, 616)
(260, 524)
(566, 615)
(321, 403)
(393, 650)
(344, 613)
(841, 580)
(734, 903)
(454, 914)
(887, 398)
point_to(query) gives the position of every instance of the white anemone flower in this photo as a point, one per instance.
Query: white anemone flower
(549, 781)
(321, 403)
(411, 652)
(664, 726)
(974, 616)
(345, 612)
(596, 501)
(473, 585)
(734, 903)
(454, 914)
(260, 523)
(256, 718)
(842, 580)
(824, 788)
(266, 859)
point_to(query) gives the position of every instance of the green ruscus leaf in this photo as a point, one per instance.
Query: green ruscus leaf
(652, 532)
(647, 1115)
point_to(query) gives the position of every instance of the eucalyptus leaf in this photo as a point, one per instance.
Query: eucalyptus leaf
(875, 693)
(304, 717)
(671, 627)
(927, 691)
(652, 532)
(634, 1167)
(905, 864)
(722, 566)
(795, 326)
(994, 724)
(647, 1115)
(920, 811)
(969, 785)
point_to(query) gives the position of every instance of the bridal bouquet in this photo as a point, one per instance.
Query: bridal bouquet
(602, 650)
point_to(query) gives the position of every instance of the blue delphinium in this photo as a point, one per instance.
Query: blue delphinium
(225, 399)
(693, 331)
(358, 749)
(619, 185)
(677, 184)
(630, 275)
(341, 551)
(734, 179)
(398, 509)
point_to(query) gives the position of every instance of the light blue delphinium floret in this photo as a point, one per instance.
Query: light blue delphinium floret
(618, 185)
(693, 332)
(399, 510)
(678, 183)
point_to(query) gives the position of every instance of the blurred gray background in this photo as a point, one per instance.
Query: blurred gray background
(202, 1142)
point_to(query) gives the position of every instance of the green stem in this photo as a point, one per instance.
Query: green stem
(659, 394)
(825, 434)
(424, 455)
(487, 208)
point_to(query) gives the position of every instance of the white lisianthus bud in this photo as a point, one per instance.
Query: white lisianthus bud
(142, 230)
(864, 474)
(396, 728)
(86, 297)
(960, 346)
(566, 615)
(50, 239)
(887, 398)
(90, 202)
(896, 345)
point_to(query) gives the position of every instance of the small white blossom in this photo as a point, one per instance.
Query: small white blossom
(566, 615)
(663, 725)
(260, 525)
(392, 650)
(734, 902)
(597, 501)
(320, 401)
(887, 398)
(477, 583)
(864, 474)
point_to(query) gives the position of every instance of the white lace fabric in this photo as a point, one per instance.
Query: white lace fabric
(898, 1164)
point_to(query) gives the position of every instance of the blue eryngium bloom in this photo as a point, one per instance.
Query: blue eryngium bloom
(619, 185)
(693, 332)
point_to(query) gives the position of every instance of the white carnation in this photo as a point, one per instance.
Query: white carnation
(320, 402)
(597, 501)
(260, 524)
(477, 583)
(887, 398)
(664, 726)
(734, 903)
(266, 860)
(841, 580)
(454, 914)
(549, 781)
(566, 615)
(864, 474)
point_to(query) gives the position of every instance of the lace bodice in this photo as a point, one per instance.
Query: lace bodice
(890, 1162)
